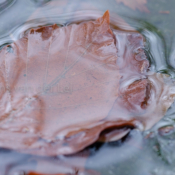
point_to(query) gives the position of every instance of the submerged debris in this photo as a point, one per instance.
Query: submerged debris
(62, 88)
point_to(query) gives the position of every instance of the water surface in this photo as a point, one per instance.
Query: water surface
(149, 153)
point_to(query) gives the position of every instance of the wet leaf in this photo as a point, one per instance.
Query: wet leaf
(65, 165)
(135, 4)
(89, 172)
(33, 173)
(61, 87)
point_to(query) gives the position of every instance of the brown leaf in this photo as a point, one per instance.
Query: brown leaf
(88, 172)
(33, 173)
(62, 87)
(66, 165)
(135, 4)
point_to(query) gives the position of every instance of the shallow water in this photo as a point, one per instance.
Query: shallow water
(149, 153)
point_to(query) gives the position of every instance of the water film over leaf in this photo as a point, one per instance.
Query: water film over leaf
(64, 88)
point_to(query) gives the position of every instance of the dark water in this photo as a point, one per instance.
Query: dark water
(148, 153)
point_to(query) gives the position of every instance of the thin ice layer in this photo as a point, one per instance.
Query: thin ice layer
(64, 86)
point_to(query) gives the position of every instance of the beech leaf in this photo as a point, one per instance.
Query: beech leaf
(64, 88)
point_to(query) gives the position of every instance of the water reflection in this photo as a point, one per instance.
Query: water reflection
(40, 2)
(5, 4)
